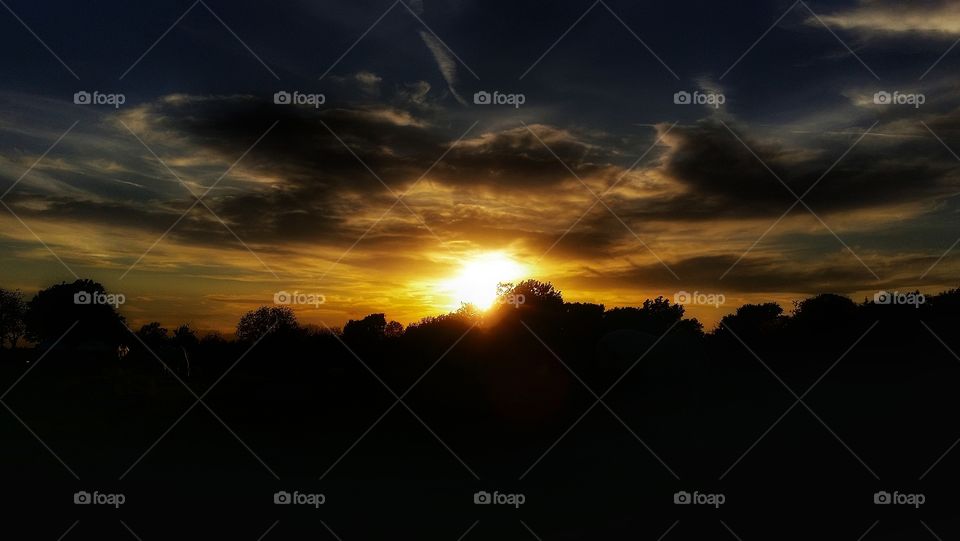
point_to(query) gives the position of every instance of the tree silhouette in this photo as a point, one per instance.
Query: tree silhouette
(272, 320)
(826, 318)
(656, 316)
(394, 329)
(370, 328)
(583, 318)
(185, 337)
(53, 310)
(13, 310)
(447, 324)
(530, 294)
(754, 323)
(153, 334)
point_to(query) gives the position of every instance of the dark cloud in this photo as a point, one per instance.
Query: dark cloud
(197, 226)
(719, 177)
(397, 144)
(712, 174)
(309, 183)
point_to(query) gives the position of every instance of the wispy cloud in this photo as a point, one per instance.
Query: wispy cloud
(445, 61)
(938, 19)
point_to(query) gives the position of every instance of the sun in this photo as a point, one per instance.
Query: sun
(477, 281)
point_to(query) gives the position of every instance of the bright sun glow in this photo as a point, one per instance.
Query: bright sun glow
(477, 282)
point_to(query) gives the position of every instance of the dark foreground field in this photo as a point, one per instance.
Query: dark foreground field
(796, 426)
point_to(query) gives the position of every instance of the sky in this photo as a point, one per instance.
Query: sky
(721, 154)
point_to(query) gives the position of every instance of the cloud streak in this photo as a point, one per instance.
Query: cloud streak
(935, 19)
(445, 63)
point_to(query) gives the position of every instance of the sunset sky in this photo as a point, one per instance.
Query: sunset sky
(599, 182)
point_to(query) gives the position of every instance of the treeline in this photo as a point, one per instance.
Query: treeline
(518, 369)
(84, 309)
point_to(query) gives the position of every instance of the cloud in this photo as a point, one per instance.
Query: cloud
(398, 145)
(366, 81)
(414, 93)
(716, 176)
(304, 184)
(931, 18)
(301, 183)
(445, 62)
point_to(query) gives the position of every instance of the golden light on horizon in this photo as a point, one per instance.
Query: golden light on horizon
(479, 276)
